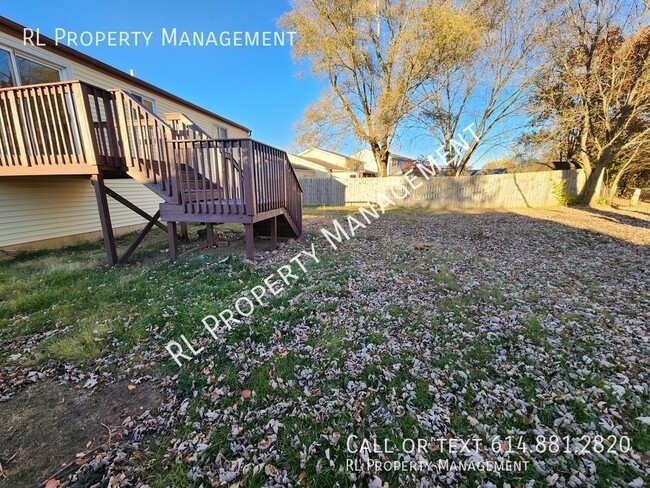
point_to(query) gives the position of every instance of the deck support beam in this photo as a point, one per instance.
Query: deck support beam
(274, 233)
(105, 218)
(210, 234)
(173, 241)
(116, 196)
(250, 243)
(134, 245)
(184, 232)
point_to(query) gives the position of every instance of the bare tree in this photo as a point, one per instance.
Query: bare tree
(597, 89)
(490, 88)
(635, 159)
(374, 56)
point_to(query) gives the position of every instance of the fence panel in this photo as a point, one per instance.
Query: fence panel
(483, 191)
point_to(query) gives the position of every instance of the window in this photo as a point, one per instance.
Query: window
(219, 132)
(6, 73)
(33, 73)
(147, 102)
(18, 69)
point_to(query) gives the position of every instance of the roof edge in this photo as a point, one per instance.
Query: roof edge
(18, 30)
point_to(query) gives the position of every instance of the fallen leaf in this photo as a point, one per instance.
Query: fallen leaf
(131, 387)
(263, 444)
(52, 483)
(245, 393)
(270, 470)
(302, 479)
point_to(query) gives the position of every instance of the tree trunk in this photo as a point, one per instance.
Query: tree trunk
(594, 184)
(591, 191)
(381, 157)
(614, 188)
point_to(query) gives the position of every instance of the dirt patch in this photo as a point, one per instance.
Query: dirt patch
(44, 427)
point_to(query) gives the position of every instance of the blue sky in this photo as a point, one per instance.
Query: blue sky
(259, 87)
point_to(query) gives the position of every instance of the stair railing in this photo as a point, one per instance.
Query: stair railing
(184, 127)
(210, 176)
(144, 138)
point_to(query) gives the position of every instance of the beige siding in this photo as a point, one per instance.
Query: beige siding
(163, 106)
(304, 173)
(307, 169)
(36, 209)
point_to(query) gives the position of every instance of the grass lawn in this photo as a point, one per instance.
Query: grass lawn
(525, 332)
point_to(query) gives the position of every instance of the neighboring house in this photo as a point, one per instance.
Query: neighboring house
(306, 168)
(488, 171)
(397, 164)
(67, 118)
(339, 165)
(547, 166)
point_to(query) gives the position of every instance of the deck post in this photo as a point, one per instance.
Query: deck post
(210, 234)
(250, 243)
(173, 241)
(274, 233)
(104, 218)
(247, 161)
(184, 232)
(250, 196)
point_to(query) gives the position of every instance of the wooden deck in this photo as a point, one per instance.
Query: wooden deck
(72, 128)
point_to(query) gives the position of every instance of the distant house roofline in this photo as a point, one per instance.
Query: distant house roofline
(405, 158)
(17, 30)
(324, 164)
(324, 150)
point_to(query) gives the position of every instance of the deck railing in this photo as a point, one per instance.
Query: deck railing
(276, 182)
(57, 124)
(184, 127)
(210, 177)
(75, 124)
(144, 138)
(235, 177)
(43, 125)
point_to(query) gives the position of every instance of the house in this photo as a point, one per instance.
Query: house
(338, 165)
(76, 134)
(488, 171)
(547, 166)
(306, 168)
(397, 165)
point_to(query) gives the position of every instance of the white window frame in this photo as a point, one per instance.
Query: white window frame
(38, 56)
(216, 130)
(154, 107)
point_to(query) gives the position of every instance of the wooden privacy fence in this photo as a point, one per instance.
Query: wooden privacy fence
(483, 191)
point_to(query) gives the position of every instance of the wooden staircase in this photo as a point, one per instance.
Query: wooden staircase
(75, 128)
(285, 227)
